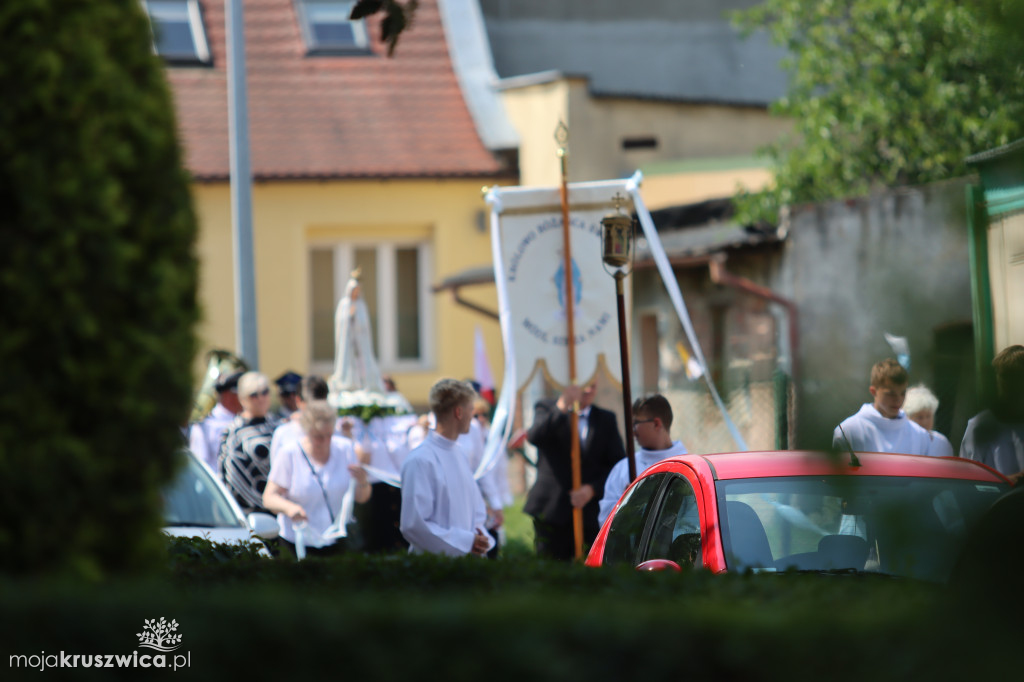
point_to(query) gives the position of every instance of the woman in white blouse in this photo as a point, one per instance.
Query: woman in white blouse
(309, 479)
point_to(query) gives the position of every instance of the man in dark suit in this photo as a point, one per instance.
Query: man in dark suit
(551, 499)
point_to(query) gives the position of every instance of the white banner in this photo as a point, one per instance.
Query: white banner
(532, 290)
(526, 243)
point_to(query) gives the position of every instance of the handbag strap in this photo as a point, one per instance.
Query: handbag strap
(316, 475)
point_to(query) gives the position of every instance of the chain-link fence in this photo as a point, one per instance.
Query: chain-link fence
(761, 411)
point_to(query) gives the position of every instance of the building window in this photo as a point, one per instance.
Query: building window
(178, 34)
(327, 28)
(394, 282)
(642, 142)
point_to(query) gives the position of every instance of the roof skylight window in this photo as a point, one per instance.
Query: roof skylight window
(327, 28)
(178, 34)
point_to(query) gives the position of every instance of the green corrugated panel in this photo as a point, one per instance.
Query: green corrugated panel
(1004, 200)
(981, 296)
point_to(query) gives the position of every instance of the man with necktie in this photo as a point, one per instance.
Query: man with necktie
(552, 498)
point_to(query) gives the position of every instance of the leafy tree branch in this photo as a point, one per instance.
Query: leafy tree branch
(886, 93)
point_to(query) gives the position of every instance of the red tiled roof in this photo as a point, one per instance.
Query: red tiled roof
(330, 116)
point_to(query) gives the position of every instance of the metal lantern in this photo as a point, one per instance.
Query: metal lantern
(617, 251)
(617, 236)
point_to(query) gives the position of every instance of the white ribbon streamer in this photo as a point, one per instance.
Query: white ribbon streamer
(339, 529)
(392, 479)
(672, 286)
(501, 423)
(300, 540)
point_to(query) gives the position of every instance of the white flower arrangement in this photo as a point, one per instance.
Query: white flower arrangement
(368, 404)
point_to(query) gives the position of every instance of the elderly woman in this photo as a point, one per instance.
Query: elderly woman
(309, 479)
(920, 407)
(245, 451)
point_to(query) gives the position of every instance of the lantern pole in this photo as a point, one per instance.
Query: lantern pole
(562, 137)
(627, 398)
(617, 248)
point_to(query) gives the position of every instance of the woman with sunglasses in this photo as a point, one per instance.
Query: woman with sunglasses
(245, 450)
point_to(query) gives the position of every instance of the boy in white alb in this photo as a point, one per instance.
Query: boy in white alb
(882, 426)
(652, 422)
(996, 436)
(443, 511)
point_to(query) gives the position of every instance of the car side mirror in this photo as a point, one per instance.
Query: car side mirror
(659, 565)
(263, 525)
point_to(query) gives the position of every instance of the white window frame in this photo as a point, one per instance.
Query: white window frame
(360, 44)
(386, 337)
(195, 22)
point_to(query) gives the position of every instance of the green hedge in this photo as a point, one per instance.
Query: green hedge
(411, 618)
(98, 283)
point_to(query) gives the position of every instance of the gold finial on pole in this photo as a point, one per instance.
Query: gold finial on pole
(562, 138)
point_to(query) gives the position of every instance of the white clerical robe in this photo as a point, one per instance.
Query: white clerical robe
(618, 478)
(992, 442)
(869, 431)
(205, 436)
(442, 508)
(940, 445)
(473, 442)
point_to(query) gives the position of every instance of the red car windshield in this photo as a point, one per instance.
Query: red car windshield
(912, 527)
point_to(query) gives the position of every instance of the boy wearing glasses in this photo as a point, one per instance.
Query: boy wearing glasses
(652, 423)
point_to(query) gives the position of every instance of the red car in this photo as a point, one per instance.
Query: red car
(901, 515)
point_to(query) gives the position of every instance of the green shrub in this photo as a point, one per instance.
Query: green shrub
(188, 551)
(407, 617)
(98, 283)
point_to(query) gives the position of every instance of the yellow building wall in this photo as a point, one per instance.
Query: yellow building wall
(535, 111)
(289, 216)
(675, 189)
(1006, 279)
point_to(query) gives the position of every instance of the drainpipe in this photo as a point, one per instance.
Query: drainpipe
(459, 300)
(719, 275)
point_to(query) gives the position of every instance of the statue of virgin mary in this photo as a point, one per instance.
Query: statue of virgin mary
(355, 365)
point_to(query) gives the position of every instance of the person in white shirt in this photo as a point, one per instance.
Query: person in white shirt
(309, 479)
(472, 442)
(920, 406)
(882, 425)
(381, 443)
(996, 436)
(205, 436)
(652, 424)
(443, 511)
(312, 387)
(500, 495)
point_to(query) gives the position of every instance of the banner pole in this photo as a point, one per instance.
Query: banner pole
(562, 137)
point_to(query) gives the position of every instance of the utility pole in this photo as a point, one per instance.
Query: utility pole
(246, 336)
